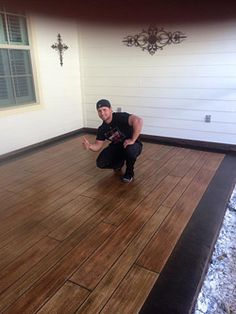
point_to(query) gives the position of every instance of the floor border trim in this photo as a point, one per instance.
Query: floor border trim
(177, 288)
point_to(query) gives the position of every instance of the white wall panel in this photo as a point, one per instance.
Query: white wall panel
(177, 60)
(59, 109)
(166, 82)
(186, 48)
(172, 90)
(191, 71)
(134, 103)
(178, 93)
(189, 119)
(217, 137)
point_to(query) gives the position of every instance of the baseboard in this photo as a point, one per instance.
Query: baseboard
(209, 146)
(194, 144)
(201, 145)
(90, 130)
(31, 148)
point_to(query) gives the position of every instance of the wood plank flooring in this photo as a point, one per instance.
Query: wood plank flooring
(75, 239)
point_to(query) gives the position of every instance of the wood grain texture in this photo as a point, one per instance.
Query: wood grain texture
(114, 276)
(131, 294)
(65, 300)
(164, 241)
(74, 238)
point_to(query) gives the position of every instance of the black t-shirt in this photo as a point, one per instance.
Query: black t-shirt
(116, 131)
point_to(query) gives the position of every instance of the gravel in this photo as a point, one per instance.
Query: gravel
(218, 293)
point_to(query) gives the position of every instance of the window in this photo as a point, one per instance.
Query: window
(16, 77)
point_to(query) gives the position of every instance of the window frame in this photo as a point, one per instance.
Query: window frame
(24, 47)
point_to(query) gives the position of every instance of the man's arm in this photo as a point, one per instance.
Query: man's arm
(137, 124)
(93, 147)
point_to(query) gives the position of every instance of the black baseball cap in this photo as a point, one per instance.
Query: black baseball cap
(103, 103)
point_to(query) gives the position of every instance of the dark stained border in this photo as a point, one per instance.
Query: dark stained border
(177, 287)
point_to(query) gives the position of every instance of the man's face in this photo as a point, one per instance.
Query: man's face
(105, 114)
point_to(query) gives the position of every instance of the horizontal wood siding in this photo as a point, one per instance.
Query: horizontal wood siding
(172, 90)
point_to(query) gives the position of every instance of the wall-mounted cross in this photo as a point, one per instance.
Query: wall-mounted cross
(60, 47)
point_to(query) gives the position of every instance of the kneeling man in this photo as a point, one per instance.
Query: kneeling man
(122, 130)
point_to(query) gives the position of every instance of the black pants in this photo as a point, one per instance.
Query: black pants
(114, 156)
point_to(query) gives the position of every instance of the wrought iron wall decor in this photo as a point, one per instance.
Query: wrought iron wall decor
(154, 39)
(60, 47)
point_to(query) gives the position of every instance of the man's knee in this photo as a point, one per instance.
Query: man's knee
(129, 151)
(132, 151)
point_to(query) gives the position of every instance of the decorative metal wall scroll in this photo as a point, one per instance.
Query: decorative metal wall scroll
(154, 39)
(60, 47)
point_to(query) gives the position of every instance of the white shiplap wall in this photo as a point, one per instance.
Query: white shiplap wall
(172, 90)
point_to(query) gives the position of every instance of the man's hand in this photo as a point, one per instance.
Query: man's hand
(86, 143)
(127, 142)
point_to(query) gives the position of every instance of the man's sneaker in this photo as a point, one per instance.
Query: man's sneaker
(127, 178)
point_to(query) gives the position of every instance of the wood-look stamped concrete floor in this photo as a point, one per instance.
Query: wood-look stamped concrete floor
(75, 239)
